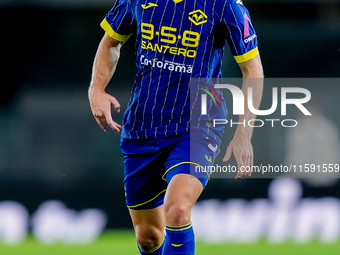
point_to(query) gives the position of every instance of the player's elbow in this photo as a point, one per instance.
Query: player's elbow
(253, 73)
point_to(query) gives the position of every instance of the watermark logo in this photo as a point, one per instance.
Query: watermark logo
(204, 97)
(295, 96)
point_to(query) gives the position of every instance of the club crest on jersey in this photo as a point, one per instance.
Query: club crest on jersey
(198, 17)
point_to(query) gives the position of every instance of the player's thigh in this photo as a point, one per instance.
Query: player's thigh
(187, 175)
(182, 193)
(183, 189)
(149, 223)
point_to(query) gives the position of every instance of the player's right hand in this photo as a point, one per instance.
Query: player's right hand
(100, 103)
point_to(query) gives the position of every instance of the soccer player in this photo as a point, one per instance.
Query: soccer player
(179, 49)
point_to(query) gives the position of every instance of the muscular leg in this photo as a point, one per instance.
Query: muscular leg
(149, 227)
(182, 193)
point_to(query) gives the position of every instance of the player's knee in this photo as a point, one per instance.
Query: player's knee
(148, 237)
(177, 214)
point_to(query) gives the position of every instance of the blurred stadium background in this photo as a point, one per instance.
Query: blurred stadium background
(51, 148)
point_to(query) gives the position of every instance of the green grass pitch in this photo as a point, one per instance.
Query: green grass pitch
(123, 243)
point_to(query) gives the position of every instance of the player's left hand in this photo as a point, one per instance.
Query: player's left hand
(242, 149)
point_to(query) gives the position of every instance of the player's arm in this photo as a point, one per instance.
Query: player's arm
(104, 66)
(241, 145)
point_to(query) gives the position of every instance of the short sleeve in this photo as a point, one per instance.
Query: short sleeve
(239, 31)
(119, 21)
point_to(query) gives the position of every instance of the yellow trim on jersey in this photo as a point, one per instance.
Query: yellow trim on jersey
(177, 1)
(134, 206)
(247, 56)
(108, 29)
(163, 177)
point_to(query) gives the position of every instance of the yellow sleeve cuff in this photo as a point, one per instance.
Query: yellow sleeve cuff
(108, 29)
(247, 56)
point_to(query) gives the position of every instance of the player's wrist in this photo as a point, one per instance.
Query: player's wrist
(244, 133)
(95, 89)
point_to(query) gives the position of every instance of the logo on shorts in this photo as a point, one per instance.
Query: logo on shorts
(211, 147)
(198, 17)
(209, 159)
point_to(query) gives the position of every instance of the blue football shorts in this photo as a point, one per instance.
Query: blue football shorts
(150, 164)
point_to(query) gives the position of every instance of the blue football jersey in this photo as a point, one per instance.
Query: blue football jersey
(178, 41)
